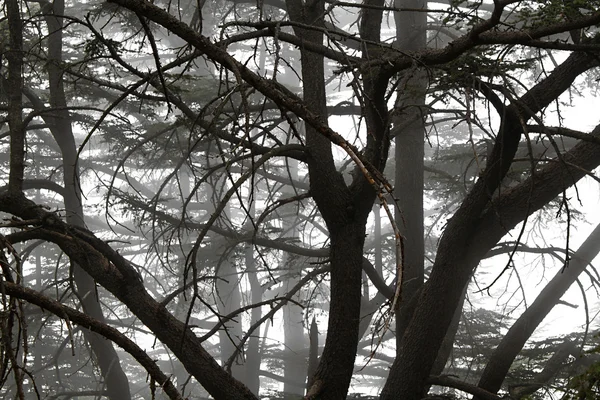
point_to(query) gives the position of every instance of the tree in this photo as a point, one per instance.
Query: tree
(200, 151)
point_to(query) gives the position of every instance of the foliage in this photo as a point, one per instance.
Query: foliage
(197, 181)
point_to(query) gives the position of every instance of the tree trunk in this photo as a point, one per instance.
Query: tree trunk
(503, 356)
(448, 343)
(229, 299)
(253, 355)
(337, 361)
(313, 353)
(476, 227)
(409, 155)
(344, 216)
(294, 370)
(115, 379)
(14, 94)
(294, 361)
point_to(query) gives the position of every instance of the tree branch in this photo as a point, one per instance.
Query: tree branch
(118, 276)
(94, 325)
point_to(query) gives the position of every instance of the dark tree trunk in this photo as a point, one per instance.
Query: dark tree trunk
(14, 93)
(345, 216)
(476, 227)
(337, 362)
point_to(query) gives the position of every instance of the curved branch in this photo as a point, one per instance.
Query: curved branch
(562, 131)
(117, 275)
(277, 92)
(462, 386)
(85, 321)
(40, 184)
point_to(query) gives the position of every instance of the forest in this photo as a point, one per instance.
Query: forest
(299, 199)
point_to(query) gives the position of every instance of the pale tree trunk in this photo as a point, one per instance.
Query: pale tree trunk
(294, 366)
(250, 375)
(503, 356)
(253, 356)
(409, 155)
(227, 295)
(115, 379)
(183, 299)
(295, 343)
(294, 362)
(313, 352)
(229, 299)
(252, 353)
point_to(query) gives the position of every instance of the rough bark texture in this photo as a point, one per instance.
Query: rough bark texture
(14, 92)
(345, 216)
(472, 231)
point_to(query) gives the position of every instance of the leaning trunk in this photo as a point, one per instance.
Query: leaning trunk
(114, 378)
(503, 356)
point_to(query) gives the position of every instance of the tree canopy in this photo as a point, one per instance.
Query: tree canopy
(287, 198)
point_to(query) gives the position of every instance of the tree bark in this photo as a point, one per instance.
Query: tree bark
(411, 34)
(344, 216)
(475, 228)
(14, 92)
